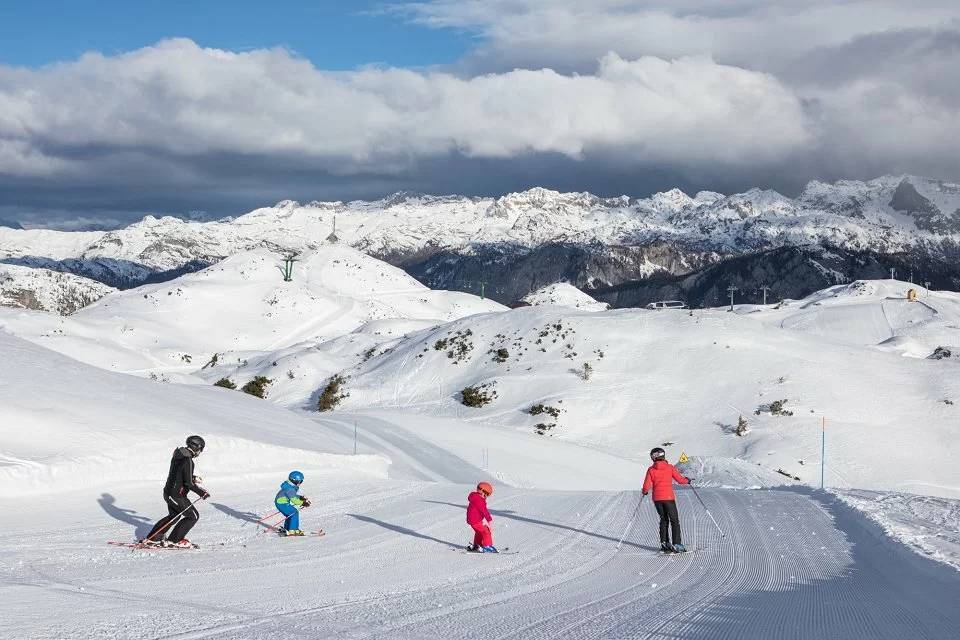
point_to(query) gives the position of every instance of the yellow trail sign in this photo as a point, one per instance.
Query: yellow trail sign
(683, 458)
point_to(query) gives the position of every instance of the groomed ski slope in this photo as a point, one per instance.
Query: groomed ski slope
(794, 564)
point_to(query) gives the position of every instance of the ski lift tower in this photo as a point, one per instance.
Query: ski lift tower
(765, 289)
(732, 289)
(333, 238)
(288, 261)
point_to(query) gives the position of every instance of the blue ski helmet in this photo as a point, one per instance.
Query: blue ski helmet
(295, 477)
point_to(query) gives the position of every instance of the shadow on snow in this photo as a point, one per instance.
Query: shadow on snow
(141, 524)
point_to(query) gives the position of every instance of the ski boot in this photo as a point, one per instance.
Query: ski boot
(489, 549)
(679, 548)
(182, 544)
(291, 532)
(150, 543)
(666, 547)
(472, 548)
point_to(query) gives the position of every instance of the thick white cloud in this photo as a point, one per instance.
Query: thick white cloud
(760, 34)
(880, 78)
(616, 96)
(182, 100)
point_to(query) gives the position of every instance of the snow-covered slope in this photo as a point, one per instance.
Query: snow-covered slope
(683, 378)
(68, 425)
(876, 313)
(929, 525)
(242, 309)
(45, 290)
(88, 449)
(584, 564)
(563, 294)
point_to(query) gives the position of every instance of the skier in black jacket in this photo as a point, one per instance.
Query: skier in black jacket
(180, 481)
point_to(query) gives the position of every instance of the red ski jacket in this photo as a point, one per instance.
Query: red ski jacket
(477, 508)
(660, 476)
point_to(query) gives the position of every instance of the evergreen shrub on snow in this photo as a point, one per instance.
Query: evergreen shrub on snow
(477, 396)
(257, 387)
(332, 394)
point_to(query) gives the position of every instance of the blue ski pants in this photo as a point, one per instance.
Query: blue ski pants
(293, 516)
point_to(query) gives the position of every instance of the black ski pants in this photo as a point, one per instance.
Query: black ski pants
(669, 516)
(175, 504)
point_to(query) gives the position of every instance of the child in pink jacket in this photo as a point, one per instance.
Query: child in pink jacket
(477, 513)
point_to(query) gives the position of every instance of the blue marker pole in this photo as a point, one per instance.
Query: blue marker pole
(823, 447)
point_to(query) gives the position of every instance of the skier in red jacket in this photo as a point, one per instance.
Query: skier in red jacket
(476, 515)
(660, 477)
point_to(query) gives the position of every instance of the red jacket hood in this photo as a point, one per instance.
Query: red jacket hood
(476, 498)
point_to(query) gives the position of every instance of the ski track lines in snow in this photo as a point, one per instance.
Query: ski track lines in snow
(793, 565)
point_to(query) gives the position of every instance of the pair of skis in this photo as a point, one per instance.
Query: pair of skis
(662, 553)
(152, 547)
(503, 552)
(165, 547)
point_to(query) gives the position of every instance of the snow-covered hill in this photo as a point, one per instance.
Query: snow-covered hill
(45, 290)
(621, 380)
(241, 309)
(430, 236)
(89, 448)
(563, 294)
(68, 425)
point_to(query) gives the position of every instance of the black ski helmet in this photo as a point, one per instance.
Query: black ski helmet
(657, 454)
(196, 444)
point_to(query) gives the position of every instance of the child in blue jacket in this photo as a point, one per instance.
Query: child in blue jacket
(289, 502)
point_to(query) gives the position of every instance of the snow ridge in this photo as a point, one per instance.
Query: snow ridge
(889, 214)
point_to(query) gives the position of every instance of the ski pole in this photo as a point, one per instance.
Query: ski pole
(630, 522)
(267, 525)
(722, 534)
(263, 521)
(174, 519)
(267, 517)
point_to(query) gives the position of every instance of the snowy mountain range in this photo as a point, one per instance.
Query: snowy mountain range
(623, 251)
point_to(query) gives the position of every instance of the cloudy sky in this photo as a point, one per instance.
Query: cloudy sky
(109, 111)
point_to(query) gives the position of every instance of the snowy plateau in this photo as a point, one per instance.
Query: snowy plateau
(428, 391)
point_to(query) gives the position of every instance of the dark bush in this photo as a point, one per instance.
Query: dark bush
(477, 396)
(940, 353)
(226, 383)
(775, 408)
(539, 408)
(257, 387)
(742, 428)
(332, 394)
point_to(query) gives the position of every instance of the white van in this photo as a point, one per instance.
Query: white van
(667, 304)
